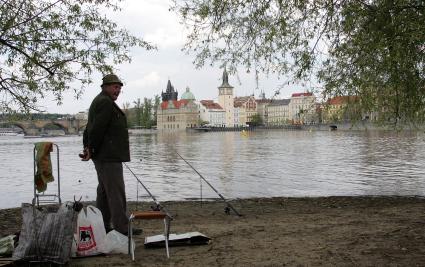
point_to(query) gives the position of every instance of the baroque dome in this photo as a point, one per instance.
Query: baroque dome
(188, 95)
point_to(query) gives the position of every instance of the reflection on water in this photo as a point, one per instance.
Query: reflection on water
(263, 163)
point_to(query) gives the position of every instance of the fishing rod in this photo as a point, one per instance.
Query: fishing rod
(158, 205)
(229, 206)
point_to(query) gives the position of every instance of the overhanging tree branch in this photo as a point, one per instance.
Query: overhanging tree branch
(358, 38)
(30, 58)
(54, 44)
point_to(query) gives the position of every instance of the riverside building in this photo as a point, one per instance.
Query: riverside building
(212, 113)
(302, 108)
(278, 112)
(174, 114)
(247, 108)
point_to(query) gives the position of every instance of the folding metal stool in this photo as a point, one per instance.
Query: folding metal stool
(148, 215)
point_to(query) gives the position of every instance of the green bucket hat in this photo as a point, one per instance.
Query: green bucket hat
(110, 79)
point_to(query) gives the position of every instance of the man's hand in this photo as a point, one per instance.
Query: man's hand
(86, 155)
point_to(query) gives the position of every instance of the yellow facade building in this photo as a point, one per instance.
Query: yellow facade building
(176, 114)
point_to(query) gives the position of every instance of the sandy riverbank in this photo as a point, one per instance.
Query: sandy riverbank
(334, 231)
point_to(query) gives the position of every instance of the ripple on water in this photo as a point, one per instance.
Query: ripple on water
(264, 164)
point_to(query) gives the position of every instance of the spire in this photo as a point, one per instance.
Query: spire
(169, 94)
(225, 79)
(225, 76)
(169, 86)
(262, 94)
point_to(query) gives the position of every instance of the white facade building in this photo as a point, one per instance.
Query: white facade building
(212, 113)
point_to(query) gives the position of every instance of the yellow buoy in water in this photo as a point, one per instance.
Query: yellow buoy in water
(244, 133)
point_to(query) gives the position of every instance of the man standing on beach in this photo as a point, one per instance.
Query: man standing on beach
(106, 143)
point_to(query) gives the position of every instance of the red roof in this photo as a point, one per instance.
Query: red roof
(263, 100)
(209, 104)
(239, 101)
(176, 103)
(301, 94)
(339, 100)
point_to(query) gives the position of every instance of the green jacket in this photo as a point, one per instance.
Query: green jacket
(106, 133)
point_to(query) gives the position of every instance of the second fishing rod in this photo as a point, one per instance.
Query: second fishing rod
(158, 205)
(229, 206)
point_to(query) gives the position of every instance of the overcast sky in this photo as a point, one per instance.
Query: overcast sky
(149, 71)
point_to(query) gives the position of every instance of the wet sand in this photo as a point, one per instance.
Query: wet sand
(331, 231)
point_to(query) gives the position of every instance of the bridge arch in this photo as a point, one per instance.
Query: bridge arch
(21, 126)
(35, 127)
(56, 126)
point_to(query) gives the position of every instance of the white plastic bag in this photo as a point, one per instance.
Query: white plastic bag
(117, 242)
(90, 238)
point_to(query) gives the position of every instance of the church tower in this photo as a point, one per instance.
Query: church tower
(225, 99)
(169, 94)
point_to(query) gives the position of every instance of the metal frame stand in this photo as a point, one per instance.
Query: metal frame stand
(44, 198)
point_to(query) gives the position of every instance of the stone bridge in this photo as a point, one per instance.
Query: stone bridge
(36, 127)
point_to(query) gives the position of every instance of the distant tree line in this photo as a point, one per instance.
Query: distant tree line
(139, 113)
(142, 114)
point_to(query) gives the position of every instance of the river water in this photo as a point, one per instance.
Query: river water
(259, 164)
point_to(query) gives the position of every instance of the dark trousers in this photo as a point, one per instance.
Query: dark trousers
(110, 198)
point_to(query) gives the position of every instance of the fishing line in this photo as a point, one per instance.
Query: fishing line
(158, 205)
(229, 206)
